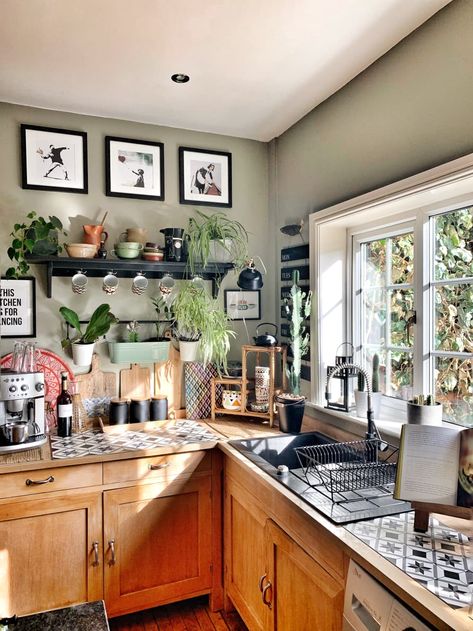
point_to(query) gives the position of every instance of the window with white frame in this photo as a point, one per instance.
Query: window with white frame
(393, 273)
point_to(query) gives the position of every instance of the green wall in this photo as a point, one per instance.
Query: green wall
(250, 207)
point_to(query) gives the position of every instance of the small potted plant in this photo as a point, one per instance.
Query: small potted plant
(190, 309)
(39, 237)
(291, 405)
(215, 239)
(83, 343)
(361, 397)
(424, 410)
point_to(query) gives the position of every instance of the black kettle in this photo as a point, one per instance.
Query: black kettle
(266, 339)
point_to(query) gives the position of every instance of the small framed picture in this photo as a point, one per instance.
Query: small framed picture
(205, 177)
(134, 168)
(53, 159)
(18, 307)
(243, 305)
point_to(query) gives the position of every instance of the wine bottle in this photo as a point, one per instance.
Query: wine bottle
(64, 409)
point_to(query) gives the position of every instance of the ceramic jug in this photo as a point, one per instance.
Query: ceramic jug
(134, 234)
(93, 234)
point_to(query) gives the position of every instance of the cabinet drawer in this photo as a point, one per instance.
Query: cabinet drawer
(155, 468)
(47, 480)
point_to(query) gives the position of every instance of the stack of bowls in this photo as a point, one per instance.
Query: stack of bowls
(127, 249)
(151, 252)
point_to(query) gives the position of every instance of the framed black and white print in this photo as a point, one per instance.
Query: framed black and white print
(53, 159)
(243, 305)
(205, 177)
(18, 307)
(134, 168)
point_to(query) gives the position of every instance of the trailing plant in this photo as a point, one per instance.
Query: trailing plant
(165, 316)
(229, 233)
(99, 324)
(39, 236)
(197, 316)
(297, 309)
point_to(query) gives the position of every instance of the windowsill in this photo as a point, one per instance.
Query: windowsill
(388, 428)
(353, 424)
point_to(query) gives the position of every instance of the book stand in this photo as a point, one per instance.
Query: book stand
(423, 510)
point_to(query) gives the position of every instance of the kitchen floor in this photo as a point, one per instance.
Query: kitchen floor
(189, 615)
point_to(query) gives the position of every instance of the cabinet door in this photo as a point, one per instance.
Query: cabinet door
(47, 553)
(303, 595)
(157, 541)
(245, 554)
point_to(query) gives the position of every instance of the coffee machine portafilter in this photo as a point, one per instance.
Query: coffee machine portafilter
(22, 416)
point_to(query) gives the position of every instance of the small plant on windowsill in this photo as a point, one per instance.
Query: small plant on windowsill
(361, 397)
(424, 410)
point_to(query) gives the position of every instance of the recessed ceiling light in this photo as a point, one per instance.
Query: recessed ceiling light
(180, 77)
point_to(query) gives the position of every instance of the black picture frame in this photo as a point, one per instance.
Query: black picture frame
(119, 180)
(219, 182)
(23, 290)
(69, 161)
(233, 297)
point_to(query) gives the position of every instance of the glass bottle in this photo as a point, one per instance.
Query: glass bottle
(64, 409)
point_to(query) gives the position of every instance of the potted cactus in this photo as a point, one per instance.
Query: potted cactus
(290, 405)
(424, 410)
(361, 397)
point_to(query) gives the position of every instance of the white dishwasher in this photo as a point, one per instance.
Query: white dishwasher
(371, 607)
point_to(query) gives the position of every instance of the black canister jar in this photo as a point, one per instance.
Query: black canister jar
(139, 410)
(158, 408)
(118, 412)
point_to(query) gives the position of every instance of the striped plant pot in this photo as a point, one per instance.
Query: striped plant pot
(197, 378)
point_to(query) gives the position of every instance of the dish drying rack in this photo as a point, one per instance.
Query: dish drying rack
(343, 468)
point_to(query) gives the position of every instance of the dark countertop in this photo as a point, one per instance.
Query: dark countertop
(85, 617)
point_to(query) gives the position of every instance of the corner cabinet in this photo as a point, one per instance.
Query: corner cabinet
(96, 268)
(275, 582)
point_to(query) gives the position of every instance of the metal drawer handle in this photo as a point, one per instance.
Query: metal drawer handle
(156, 467)
(95, 546)
(113, 558)
(261, 581)
(265, 589)
(46, 481)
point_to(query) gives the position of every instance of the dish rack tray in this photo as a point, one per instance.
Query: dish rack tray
(344, 468)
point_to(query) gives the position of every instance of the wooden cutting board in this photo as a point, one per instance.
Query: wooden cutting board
(168, 378)
(97, 384)
(134, 382)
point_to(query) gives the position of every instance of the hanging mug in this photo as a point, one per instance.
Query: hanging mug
(139, 284)
(79, 283)
(110, 283)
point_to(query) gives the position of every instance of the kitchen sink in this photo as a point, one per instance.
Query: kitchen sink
(278, 456)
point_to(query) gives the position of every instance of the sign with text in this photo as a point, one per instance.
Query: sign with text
(17, 308)
(295, 253)
(286, 272)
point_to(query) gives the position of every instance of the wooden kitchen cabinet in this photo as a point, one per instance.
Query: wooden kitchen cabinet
(158, 543)
(300, 593)
(275, 582)
(50, 552)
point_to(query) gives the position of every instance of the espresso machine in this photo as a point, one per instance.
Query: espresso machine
(22, 414)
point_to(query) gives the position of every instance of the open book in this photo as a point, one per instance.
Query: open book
(435, 465)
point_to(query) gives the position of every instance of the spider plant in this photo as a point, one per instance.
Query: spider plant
(204, 229)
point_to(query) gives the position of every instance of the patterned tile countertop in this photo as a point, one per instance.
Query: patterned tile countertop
(94, 443)
(440, 559)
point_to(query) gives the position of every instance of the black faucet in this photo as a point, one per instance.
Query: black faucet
(372, 432)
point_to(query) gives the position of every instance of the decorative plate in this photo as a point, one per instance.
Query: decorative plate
(51, 365)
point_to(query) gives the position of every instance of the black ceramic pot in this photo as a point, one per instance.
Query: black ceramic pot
(291, 414)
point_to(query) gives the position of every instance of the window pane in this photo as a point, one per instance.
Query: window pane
(454, 318)
(402, 374)
(374, 267)
(402, 259)
(375, 316)
(454, 388)
(454, 244)
(402, 307)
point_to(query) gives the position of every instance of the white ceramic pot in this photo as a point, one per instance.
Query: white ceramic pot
(361, 403)
(219, 253)
(424, 414)
(82, 353)
(231, 399)
(188, 350)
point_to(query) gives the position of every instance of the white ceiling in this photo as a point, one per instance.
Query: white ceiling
(256, 66)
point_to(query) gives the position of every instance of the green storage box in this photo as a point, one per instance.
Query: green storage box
(138, 352)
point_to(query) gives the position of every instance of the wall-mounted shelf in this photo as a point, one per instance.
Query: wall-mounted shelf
(67, 266)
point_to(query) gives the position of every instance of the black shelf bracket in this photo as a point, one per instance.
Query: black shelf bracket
(96, 268)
